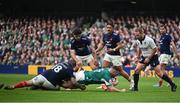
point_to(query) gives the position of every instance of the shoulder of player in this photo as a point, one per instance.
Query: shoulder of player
(115, 34)
(84, 38)
(168, 35)
(72, 40)
(147, 38)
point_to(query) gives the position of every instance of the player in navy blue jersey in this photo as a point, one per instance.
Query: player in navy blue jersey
(81, 50)
(165, 44)
(113, 44)
(147, 54)
(51, 79)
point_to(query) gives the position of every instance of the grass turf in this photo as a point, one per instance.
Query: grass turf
(146, 93)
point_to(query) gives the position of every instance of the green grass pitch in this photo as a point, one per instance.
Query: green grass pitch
(146, 93)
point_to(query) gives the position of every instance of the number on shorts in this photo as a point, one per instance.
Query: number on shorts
(57, 69)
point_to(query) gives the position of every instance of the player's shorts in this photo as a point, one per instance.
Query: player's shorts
(164, 58)
(41, 81)
(114, 59)
(85, 59)
(153, 61)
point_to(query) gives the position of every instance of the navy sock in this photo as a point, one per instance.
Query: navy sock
(167, 79)
(136, 79)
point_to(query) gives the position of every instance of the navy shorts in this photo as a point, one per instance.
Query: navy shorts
(153, 61)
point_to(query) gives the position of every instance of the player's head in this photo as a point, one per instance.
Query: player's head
(109, 28)
(162, 29)
(77, 33)
(139, 33)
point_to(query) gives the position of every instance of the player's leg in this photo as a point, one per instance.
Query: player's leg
(105, 64)
(117, 64)
(91, 62)
(106, 61)
(19, 85)
(79, 63)
(137, 70)
(162, 75)
(163, 60)
(123, 73)
(147, 71)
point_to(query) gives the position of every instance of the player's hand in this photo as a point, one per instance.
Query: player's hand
(110, 50)
(79, 64)
(147, 60)
(96, 62)
(97, 52)
(136, 59)
(176, 55)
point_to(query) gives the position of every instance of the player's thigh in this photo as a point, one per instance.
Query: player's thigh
(90, 60)
(106, 60)
(38, 80)
(116, 61)
(158, 71)
(139, 67)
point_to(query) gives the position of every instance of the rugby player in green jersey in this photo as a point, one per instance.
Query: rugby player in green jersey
(99, 76)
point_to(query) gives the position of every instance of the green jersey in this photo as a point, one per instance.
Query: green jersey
(98, 76)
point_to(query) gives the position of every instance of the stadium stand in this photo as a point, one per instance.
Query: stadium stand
(46, 41)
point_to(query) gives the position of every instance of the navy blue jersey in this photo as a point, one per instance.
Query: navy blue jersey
(61, 71)
(165, 41)
(82, 46)
(111, 42)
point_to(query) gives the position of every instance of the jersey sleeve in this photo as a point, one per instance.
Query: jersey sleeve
(72, 44)
(117, 39)
(170, 38)
(88, 41)
(71, 72)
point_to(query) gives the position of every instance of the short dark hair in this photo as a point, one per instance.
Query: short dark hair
(140, 29)
(76, 31)
(162, 25)
(110, 23)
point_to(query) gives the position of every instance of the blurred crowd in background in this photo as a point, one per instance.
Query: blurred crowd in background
(46, 41)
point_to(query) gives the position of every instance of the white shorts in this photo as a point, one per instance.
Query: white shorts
(114, 59)
(79, 75)
(85, 59)
(43, 82)
(164, 58)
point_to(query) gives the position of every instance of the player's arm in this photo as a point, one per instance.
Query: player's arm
(73, 55)
(119, 46)
(100, 46)
(114, 89)
(93, 52)
(138, 50)
(174, 48)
